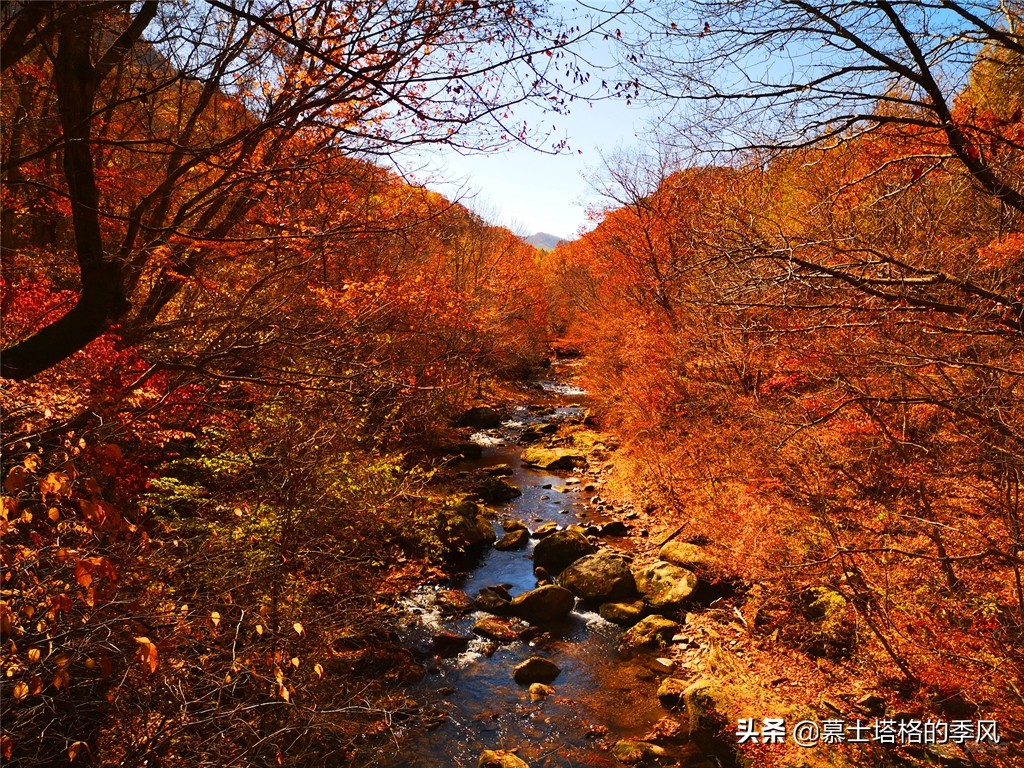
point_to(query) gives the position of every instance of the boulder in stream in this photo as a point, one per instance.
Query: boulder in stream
(539, 691)
(499, 758)
(480, 416)
(545, 530)
(516, 539)
(461, 526)
(650, 631)
(664, 586)
(494, 599)
(603, 576)
(536, 669)
(561, 549)
(553, 458)
(543, 604)
(627, 614)
(447, 644)
(497, 470)
(502, 630)
(495, 490)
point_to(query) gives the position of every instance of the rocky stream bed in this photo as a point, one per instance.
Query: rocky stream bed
(548, 648)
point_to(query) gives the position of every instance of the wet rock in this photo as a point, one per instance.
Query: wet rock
(514, 525)
(604, 576)
(542, 576)
(671, 692)
(494, 599)
(683, 554)
(491, 758)
(495, 490)
(498, 470)
(536, 669)
(650, 631)
(553, 458)
(453, 602)
(545, 530)
(665, 586)
(465, 449)
(516, 539)
(502, 630)
(447, 644)
(589, 488)
(540, 691)
(561, 549)
(622, 613)
(640, 753)
(481, 416)
(543, 604)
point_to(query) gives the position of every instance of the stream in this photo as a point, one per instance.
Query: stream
(601, 695)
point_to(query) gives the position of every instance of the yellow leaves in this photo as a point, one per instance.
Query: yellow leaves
(20, 690)
(299, 629)
(55, 483)
(319, 670)
(34, 655)
(147, 653)
(215, 618)
(259, 630)
(295, 662)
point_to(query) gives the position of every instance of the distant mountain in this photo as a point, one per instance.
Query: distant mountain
(544, 241)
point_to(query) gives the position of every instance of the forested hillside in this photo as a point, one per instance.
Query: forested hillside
(813, 359)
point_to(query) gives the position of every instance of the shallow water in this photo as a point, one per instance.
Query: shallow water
(600, 695)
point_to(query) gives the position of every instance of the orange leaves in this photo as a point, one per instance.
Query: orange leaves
(146, 652)
(1004, 251)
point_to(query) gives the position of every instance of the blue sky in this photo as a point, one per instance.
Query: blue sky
(529, 191)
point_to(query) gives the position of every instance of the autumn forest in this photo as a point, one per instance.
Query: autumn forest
(284, 431)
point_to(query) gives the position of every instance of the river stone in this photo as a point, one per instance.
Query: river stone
(516, 539)
(622, 613)
(671, 692)
(461, 526)
(502, 630)
(641, 753)
(545, 530)
(615, 528)
(491, 758)
(536, 669)
(514, 525)
(494, 599)
(494, 490)
(683, 554)
(553, 458)
(481, 416)
(650, 631)
(603, 576)
(498, 470)
(544, 604)
(665, 586)
(447, 644)
(540, 691)
(560, 550)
